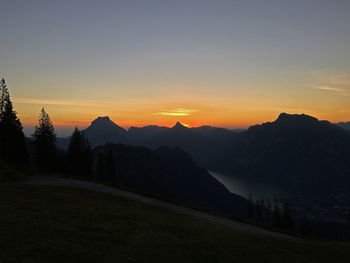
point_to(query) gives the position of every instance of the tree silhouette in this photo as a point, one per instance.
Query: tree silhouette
(251, 213)
(79, 155)
(268, 211)
(259, 211)
(287, 219)
(276, 214)
(110, 170)
(100, 167)
(12, 141)
(45, 142)
(305, 226)
(105, 168)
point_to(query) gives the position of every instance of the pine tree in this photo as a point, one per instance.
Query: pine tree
(79, 155)
(287, 219)
(105, 169)
(276, 214)
(100, 167)
(258, 211)
(45, 142)
(305, 226)
(251, 213)
(268, 212)
(13, 147)
(110, 170)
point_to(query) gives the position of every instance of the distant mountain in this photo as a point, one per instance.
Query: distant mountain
(145, 132)
(172, 174)
(292, 149)
(202, 143)
(304, 157)
(102, 130)
(344, 125)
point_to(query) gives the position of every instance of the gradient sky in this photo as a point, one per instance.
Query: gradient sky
(224, 63)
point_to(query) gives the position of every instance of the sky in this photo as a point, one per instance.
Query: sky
(222, 63)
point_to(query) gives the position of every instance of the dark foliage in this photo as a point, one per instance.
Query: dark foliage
(287, 221)
(305, 226)
(105, 169)
(79, 155)
(12, 141)
(276, 215)
(45, 142)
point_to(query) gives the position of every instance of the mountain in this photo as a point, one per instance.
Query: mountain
(102, 130)
(203, 143)
(292, 149)
(141, 135)
(344, 125)
(170, 173)
(308, 159)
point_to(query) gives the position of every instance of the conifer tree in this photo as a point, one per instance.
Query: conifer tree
(305, 226)
(258, 211)
(110, 170)
(105, 169)
(276, 214)
(287, 219)
(79, 155)
(45, 142)
(13, 147)
(251, 213)
(100, 167)
(268, 211)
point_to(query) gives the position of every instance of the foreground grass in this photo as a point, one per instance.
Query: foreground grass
(59, 224)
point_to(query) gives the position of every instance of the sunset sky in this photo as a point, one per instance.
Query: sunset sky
(223, 63)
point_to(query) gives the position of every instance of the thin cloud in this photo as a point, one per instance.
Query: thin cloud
(177, 112)
(325, 80)
(88, 103)
(327, 88)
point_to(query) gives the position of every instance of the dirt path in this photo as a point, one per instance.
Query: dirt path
(155, 202)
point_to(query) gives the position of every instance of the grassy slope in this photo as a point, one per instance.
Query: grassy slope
(58, 224)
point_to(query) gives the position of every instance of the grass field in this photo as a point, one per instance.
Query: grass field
(60, 224)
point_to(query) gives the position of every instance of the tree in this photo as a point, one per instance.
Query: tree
(268, 211)
(276, 214)
(13, 147)
(100, 167)
(110, 170)
(79, 155)
(287, 219)
(105, 169)
(251, 207)
(259, 211)
(305, 226)
(45, 142)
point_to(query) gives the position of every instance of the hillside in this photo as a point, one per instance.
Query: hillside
(61, 224)
(168, 173)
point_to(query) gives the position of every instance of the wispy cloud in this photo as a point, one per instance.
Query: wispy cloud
(327, 81)
(59, 102)
(177, 112)
(327, 88)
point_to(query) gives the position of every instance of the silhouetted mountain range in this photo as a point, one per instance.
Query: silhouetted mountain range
(344, 125)
(302, 156)
(201, 142)
(308, 159)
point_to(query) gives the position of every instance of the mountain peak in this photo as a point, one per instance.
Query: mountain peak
(300, 118)
(100, 120)
(103, 123)
(179, 125)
